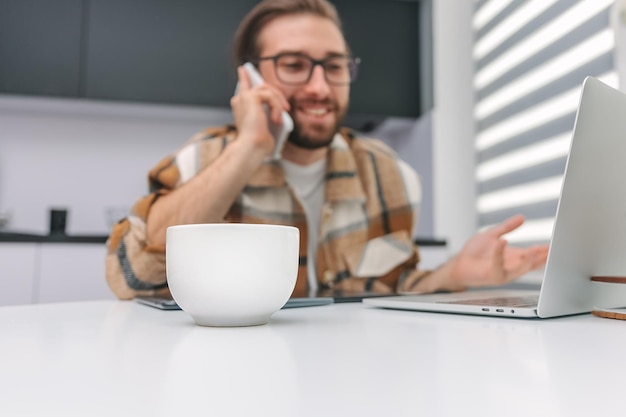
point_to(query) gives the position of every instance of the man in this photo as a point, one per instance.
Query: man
(353, 200)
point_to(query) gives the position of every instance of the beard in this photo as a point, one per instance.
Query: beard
(315, 136)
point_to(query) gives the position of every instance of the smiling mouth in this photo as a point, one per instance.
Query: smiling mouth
(316, 112)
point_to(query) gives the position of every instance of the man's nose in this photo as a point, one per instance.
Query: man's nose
(317, 83)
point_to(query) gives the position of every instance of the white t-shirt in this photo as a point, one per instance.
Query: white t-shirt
(308, 183)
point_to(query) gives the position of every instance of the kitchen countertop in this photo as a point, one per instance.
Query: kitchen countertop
(63, 238)
(58, 238)
(98, 358)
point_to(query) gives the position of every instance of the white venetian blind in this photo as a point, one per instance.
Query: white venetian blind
(531, 57)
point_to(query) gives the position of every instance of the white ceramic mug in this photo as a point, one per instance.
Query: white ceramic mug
(231, 274)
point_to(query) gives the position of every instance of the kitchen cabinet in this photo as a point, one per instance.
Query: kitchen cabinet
(162, 51)
(18, 267)
(40, 47)
(433, 256)
(179, 52)
(47, 272)
(71, 272)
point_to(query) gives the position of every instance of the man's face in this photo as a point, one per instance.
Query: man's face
(317, 107)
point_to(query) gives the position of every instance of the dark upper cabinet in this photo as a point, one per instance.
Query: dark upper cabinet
(162, 50)
(384, 34)
(179, 51)
(40, 44)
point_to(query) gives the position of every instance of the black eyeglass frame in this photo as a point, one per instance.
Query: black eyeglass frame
(353, 66)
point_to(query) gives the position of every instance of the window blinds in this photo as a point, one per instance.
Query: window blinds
(531, 57)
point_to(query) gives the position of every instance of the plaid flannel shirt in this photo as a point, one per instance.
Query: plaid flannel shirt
(371, 202)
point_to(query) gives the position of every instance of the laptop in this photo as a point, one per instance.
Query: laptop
(589, 233)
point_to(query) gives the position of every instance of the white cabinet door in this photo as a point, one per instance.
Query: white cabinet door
(72, 272)
(431, 257)
(17, 272)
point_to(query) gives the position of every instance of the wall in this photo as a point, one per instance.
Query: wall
(453, 127)
(84, 155)
(618, 24)
(91, 156)
(412, 140)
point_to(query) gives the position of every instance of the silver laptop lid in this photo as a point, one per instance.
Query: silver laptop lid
(589, 234)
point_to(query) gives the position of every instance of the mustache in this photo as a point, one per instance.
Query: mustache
(294, 102)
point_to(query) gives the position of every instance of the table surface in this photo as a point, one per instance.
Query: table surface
(115, 358)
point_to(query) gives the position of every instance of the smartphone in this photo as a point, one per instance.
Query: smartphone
(279, 132)
(170, 304)
(158, 302)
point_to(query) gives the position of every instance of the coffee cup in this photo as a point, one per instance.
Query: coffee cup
(231, 274)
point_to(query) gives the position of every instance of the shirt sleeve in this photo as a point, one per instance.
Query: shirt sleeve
(134, 266)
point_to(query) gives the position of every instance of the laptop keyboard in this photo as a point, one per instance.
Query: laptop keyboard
(527, 301)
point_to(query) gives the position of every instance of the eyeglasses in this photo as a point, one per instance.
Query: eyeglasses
(296, 69)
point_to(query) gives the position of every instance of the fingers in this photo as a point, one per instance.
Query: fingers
(243, 80)
(499, 260)
(523, 264)
(540, 256)
(276, 115)
(274, 100)
(522, 261)
(263, 93)
(506, 226)
(499, 250)
(244, 84)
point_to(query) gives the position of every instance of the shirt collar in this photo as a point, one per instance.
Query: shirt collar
(342, 181)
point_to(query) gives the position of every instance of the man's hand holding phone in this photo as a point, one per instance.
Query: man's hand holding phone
(259, 108)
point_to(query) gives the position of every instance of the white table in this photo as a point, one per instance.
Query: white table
(115, 359)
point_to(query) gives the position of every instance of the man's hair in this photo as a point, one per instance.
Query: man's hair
(246, 45)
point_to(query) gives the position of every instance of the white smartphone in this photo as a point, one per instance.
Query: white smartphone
(279, 132)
